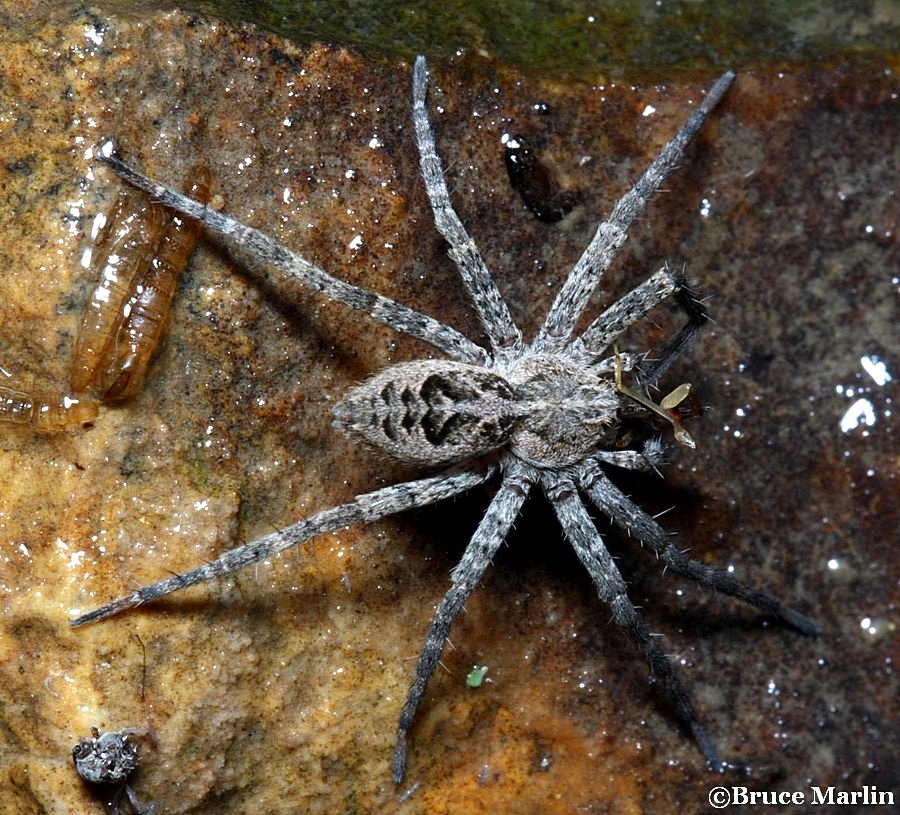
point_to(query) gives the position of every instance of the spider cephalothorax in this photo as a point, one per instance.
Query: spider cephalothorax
(549, 414)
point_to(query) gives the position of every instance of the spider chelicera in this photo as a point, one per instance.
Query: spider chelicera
(548, 414)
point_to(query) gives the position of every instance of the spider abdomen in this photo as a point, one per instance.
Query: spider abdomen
(431, 412)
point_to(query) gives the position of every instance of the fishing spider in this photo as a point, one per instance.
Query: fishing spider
(550, 414)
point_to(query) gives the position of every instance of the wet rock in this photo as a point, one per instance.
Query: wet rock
(278, 690)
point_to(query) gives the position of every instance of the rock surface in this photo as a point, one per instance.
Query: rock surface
(278, 690)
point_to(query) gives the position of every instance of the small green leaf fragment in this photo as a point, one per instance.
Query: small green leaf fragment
(475, 677)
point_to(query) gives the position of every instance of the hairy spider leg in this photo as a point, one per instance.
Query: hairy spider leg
(579, 530)
(588, 544)
(697, 316)
(491, 532)
(573, 297)
(370, 506)
(611, 501)
(504, 334)
(593, 342)
(270, 252)
(649, 458)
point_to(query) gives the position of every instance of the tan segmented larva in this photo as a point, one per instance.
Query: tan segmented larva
(145, 315)
(127, 246)
(143, 250)
(45, 412)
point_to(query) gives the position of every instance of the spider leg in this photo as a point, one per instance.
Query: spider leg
(600, 334)
(150, 808)
(581, 533)
(491, 532)
(647, 459)
(492, 309)
(113, 803)
(270, 252)
(610, 500)
(368, 507)
(675, 347)
(583, 279)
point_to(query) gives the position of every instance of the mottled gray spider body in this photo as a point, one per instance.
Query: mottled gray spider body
(548, 411)
(549, 414)
(106, 760)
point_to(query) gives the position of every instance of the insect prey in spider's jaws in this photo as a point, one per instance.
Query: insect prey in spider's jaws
(549, 414)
